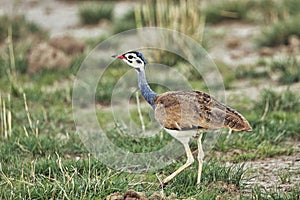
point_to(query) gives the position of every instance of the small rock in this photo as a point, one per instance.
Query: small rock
(266, 51)
(156, 196)
(233, 43)
(294, 41)
(67, 44)
(159, 196)
(115, 196)
(236, 54)
(218, 197)
(133, 195)
(235, 152)
(294, 44)
(45, 56)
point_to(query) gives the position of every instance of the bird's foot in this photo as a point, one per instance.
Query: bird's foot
(199, 186)
(162, 185)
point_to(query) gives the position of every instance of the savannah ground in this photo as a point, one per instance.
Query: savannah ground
(255, 45)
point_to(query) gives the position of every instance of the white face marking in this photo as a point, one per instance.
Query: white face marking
(133, 60)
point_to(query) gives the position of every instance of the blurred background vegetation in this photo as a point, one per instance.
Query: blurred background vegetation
(41, 156)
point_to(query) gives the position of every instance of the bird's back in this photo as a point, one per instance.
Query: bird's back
(184, 110)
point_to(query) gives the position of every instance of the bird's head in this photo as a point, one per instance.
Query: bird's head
(133, 59)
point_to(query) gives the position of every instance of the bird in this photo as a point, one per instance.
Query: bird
(185, 114)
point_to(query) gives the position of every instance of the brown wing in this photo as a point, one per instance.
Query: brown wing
(182, 110)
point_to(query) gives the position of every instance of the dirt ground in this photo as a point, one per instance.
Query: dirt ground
(233, 48)
(279, 172)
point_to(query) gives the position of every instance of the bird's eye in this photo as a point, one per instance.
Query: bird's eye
(130, 57)
(138, 61)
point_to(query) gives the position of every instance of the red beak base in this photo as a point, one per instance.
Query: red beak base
(119, 56)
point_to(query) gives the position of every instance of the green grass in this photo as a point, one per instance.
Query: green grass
(44, 157)
(135, 144)
(286, 70)
(260, 11)
(279, 32)
(87, 178)
(17, 34)
(289, 70)
(227, 74)
(165, 14)
(107, 82)
(281, 20)
(270, 11)
(227, 10)
(276, 194)
(18, 50)
(274, 119)
(20, 28)
(92, 13)
(20, 61)
(125, 23)
(93, 42)
(42, 162)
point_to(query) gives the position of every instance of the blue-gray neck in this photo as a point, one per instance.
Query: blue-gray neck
(145, 89)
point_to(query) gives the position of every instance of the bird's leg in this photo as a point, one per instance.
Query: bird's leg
(200, 157)
(189, 161)
(229, 134)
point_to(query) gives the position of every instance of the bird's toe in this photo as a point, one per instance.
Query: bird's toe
(162, 185)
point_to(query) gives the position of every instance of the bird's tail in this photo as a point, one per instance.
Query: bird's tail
(235, 121)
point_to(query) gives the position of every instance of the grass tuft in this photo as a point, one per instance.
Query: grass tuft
(20, 28)
(125, 23)
(92, 13)
(259, 193)
(274, 120)
(263, 11)
(279, 32)
(227, 10)
(284, 101)
(289, 70)
(283, 71)
(182, 16)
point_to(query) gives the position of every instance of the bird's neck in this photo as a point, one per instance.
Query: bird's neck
(145, 89)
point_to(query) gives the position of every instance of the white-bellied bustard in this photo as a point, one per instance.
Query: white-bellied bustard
(183, 112)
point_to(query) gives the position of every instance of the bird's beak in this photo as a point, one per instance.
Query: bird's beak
(118, 56)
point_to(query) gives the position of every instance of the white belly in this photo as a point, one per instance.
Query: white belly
(182, 136)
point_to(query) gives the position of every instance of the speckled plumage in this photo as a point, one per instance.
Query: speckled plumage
(184, 110)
